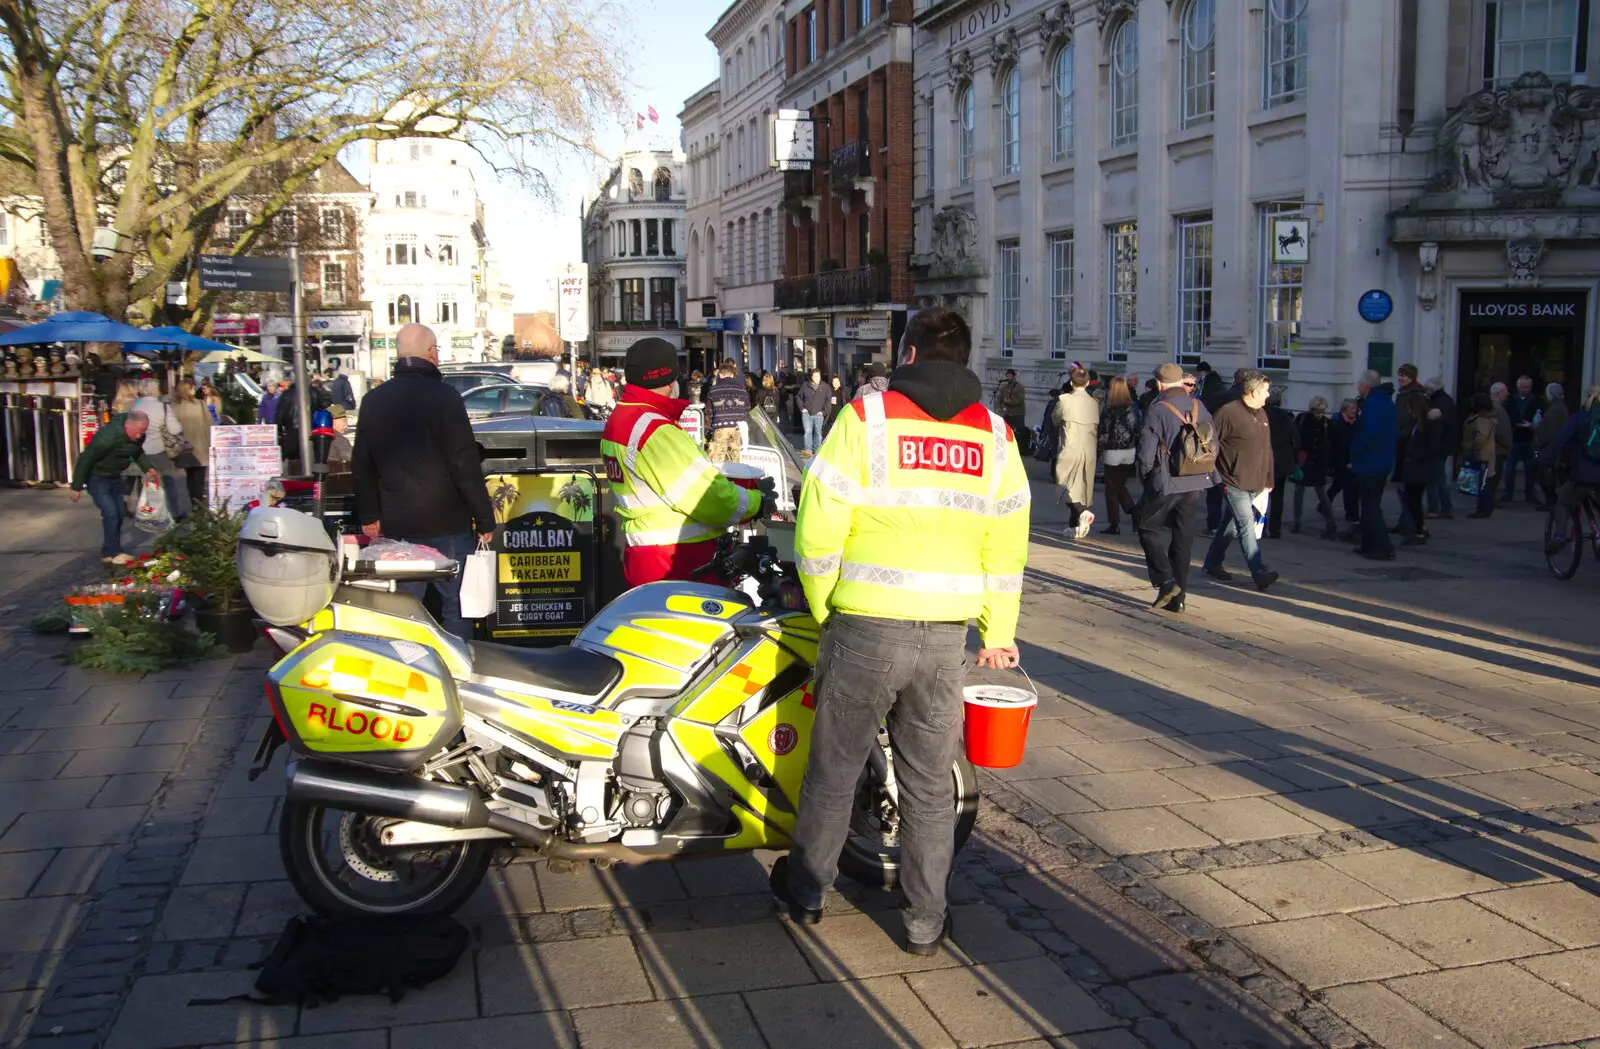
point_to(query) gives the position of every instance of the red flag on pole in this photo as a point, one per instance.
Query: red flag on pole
(640, 117)
(655, 118)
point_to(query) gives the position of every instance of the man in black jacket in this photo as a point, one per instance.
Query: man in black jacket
(1439, 504)
(1167, 506)
(728, 404)
(416, 467)
(1523, 408)
(815, 398)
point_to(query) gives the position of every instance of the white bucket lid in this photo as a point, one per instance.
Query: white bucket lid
(1006, 696)
(745, 471)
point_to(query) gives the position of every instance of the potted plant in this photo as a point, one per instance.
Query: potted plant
(208, 544)
(877, 257)
(829, 265)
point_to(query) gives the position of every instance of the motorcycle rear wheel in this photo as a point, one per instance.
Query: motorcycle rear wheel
(337, 866)
(877, 864)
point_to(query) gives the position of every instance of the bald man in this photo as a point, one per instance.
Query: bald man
(416, 466)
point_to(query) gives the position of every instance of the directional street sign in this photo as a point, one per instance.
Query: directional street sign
(245, 273)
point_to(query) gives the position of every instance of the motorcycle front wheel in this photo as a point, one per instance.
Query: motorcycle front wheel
(338, 866)
(871, 853)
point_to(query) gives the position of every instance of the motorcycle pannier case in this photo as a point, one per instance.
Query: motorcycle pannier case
(364, 700)
(288, 566)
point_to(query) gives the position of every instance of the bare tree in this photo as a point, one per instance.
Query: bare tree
(145, 116)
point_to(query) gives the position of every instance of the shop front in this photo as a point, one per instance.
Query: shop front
(1506, 334)
(336, 337)
(860, 339)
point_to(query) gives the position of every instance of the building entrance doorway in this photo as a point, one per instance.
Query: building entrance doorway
(1509, 334)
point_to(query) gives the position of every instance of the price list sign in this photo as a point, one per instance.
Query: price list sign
(243, 460)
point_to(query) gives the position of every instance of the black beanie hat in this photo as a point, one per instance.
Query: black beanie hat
(650, 363)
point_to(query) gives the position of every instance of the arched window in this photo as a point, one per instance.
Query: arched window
(727, 74)
(766, 48)
(402, 308)
(663, 184)
(728, 255)
(778, 32)
(738, 68)
(1125, 83)
(741, 154)
(750, 59)
(738, 256)
(965, 118)
(636, 182)
(692, 277)
(711, 259)
(754, 267)
(1284, 66)
(1197, 32)
(1061, 86)
(1011, 122)
(766, 245)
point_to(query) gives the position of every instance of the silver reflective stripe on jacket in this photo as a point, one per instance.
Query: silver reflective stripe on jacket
(636, 438)
(669, 536)
(902, 579)
(820, 565)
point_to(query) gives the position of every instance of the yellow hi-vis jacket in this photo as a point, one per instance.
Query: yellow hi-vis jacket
(903, 516)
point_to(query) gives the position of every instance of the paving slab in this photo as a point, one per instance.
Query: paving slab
(1126, 756)
(202, 912)
(69, 829)
(859, 946)
(1208, 899)
(1130, 790)
(1054, 795)
(1501, 1005)
(1209, 1010)
(717, 961)
(1562, 912)
(157, 1014)
(1131, 831)
(527, 1031)
(245, 858)
(1411, 875)
(719, 1021)
(1047, 763)
(1328, 950)
(1301, 888)
(568, 974)
(20, 870)
(39, 924)
(1234, 779)
(882, 1013)
(1009, 1002)
(1244, 819)
(1487, 756)
(622, 886)
(1527, 789)
(1388, 1019)
(1455, 932)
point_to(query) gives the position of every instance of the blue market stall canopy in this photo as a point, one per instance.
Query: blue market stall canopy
(188, 341)
(78, 326)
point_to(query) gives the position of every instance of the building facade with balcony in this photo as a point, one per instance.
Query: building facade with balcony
(426, 248)
(633, 244)
(702, 177)
(847, 238)
(750, 50)
(1282, 185)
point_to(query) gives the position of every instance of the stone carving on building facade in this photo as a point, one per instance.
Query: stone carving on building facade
(1523, 255)
(1003, 51)
(960, 66)
(1055, 28)
(955, 243)
(1428, 287)
(1106, 10)
(1534, 144)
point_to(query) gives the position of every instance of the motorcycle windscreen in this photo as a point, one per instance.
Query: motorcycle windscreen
(368, 701)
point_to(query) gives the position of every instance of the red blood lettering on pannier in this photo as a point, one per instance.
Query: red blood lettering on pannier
(942, 454)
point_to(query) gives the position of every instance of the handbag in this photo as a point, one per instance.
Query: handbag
(1469, 479)
(477, 583)
(175, 445)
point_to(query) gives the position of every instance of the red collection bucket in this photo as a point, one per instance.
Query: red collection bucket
(997, 719)
(743, 474)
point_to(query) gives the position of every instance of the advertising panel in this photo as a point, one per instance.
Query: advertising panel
(544, 547)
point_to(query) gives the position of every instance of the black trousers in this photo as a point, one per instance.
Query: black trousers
(1166, 532)
(1374, 531)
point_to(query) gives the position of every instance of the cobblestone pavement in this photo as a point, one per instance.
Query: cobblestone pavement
(1362, 808)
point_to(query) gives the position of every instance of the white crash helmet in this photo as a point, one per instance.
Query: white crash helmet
(288, 565)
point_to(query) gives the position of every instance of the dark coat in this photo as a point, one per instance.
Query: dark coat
(1449, 417)
(1285, 443)
(1522, 411)
(1569, 443)
(1425, 448)
(1119, 428)
(1315, 446)
(1340, 434)
(816, 398)
(767, 400)
(1372, 444)
(1161, 429)
(416, 462)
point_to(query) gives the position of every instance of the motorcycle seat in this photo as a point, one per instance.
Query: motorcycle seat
(575, 671)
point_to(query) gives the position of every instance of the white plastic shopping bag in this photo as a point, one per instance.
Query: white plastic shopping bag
(152, 514)
(477, 583)
(1258, 510)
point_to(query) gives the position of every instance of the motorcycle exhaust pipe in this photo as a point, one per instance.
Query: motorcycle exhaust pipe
(353, 789)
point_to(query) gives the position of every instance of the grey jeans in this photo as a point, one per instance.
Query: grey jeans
(910, 675)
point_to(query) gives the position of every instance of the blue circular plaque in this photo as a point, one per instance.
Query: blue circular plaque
(1375, 306)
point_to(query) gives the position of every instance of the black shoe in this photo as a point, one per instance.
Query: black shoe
(1170, 594)
(1348, 536)
(1264, 579)
(1295, 528)
(1218, 573)
(1207, 533)
(1111, 529)
(779, 881)
(927, 950)
(1396, 530)
(1415, 540)
(1377, 555)
(1330, 535)
(1177, 604)
(1274, 535)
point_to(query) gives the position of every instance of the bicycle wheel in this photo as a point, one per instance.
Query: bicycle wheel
(1564, 563)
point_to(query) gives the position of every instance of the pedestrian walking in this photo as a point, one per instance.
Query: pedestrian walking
(1315, 445)
(1118, 440)
(416, 471)
(1372, 455)
(1546, 430)
(267, 410)
(339, 389)
(195, 419)
(767, 396)
(1340, 433)
(1214, 402)
(814, 399)
(1011, 404)
(557, 402)
(1439, 502)
(894, 568)
(1480, 449)
(99, 469)
(599, 393)
(1077, 419)
(1285, 459)
(838, 397)
(729, 407)
(1176, 421)
(1406, 388)
(1425, 448)
(1523, 409)
(1575, 442)
(164, 442)
(1244, 462)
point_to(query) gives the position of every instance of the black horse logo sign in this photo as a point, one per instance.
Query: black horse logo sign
(1293, 239)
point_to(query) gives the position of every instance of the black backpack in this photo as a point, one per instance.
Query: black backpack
(322, 959)
(1195, 450)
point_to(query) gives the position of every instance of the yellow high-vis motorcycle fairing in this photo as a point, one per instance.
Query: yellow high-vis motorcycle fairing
(677, 724)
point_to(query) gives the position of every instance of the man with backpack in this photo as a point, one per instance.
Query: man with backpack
(1176, 457)
(1580, 439)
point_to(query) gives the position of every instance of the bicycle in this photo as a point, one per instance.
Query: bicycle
(1584, 527)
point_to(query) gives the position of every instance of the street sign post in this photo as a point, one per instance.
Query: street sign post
(245, 273)
(572, 311)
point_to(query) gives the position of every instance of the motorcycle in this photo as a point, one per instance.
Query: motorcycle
(676, 725)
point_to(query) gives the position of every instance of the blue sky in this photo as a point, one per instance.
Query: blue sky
(670, 60)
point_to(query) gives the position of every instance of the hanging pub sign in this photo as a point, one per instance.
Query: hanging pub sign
(544, 554)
